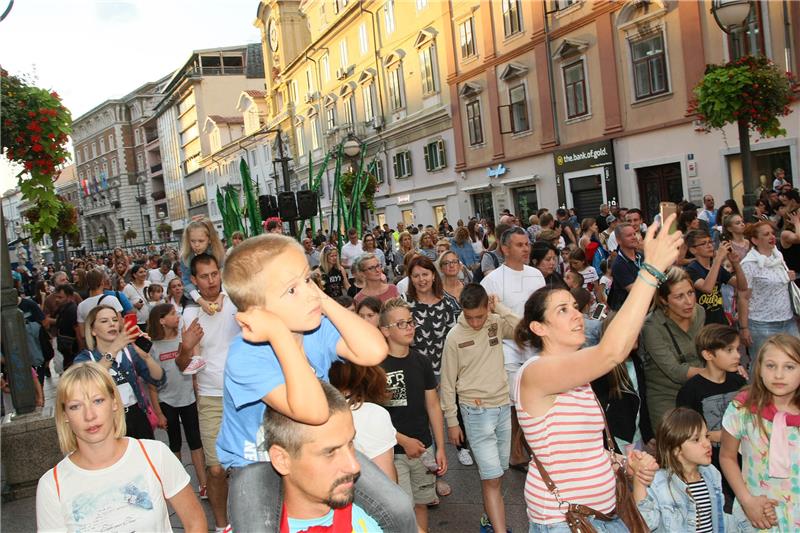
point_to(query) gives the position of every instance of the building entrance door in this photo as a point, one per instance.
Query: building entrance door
(661, 183)
(586, 191)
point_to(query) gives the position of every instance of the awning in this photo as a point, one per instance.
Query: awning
(477, 188)
(521, 180)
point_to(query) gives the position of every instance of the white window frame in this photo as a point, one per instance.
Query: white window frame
(300, 138)
(636, 39)
(368, 98)
(380, 173)
(350, 111)
(363, 39)
(310, 80)
(294, 92)
(512, 8)
(388, 16)
(401, 163)
(467, 106)
(103, 143)
(111, 141)
(422, 4)
(429, 72)
(467, 26)
(524, 102)
(330, 118)
(571, 62)
(435, 155)
(325, 65)
(114, 167)
(394, 76)
(315, 132)
(343, 59)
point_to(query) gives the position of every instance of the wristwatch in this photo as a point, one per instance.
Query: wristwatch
(108, 356)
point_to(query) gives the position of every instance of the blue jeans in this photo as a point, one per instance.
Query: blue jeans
(761, 331)
(489, 433)
(255, 499)
(615, 526)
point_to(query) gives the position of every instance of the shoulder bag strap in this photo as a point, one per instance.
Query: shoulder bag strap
(152, 466)
(55, 478)
(680, 357)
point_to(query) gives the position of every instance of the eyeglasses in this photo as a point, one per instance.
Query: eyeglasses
(373, 268)
(403, 324)
(449, 263)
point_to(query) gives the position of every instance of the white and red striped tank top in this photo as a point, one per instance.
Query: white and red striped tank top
(568, 440)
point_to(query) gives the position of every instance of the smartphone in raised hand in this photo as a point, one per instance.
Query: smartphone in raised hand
(666, 209)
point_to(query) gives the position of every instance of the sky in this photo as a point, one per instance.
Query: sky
(92, 50)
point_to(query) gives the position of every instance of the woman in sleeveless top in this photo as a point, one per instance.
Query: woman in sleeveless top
(557, 410)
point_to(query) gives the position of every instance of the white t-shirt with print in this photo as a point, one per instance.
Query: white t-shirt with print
(125, 496)
(219, 330)
(91, 302)
(375, 433)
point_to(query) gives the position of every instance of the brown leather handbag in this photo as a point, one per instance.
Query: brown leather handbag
(577, 515)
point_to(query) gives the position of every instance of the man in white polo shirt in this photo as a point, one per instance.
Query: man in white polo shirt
(162, 275)
(209, 336)
(350, 251)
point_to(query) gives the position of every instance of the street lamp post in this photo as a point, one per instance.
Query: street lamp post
(140, 181)
(731, 16)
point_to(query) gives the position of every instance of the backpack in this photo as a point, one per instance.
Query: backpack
(477, 274)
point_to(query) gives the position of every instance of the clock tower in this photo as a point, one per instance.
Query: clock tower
(284, 36)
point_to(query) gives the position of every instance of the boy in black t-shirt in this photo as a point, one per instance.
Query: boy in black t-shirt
(710, 391)
(413, 407)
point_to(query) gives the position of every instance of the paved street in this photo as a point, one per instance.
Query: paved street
(459, 512)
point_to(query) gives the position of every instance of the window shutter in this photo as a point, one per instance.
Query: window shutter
(427, 157)
(408, 163)
(395, 164)
(442, 157)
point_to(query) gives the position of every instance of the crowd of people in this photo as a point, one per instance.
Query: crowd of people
(644, 378)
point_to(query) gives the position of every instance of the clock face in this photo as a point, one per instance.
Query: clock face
(272, 30)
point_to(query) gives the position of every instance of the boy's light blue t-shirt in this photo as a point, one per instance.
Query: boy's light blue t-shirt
(251, 372)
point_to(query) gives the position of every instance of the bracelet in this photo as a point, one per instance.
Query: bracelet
(641, 277)
(656, 273)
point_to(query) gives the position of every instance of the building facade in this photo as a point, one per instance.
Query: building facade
(576, 103)
(374, 71)
(197, 102)
(108, 146)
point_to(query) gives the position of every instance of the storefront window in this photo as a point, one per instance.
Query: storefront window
(525, 204)
(408, 217)
(764, 164)
(483, 206)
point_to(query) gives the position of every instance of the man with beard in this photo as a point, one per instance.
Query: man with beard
(319, 469)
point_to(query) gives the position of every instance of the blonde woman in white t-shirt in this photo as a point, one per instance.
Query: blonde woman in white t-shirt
(109, 482)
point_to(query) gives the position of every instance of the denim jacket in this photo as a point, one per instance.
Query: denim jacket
(125, 366)
(669, 507)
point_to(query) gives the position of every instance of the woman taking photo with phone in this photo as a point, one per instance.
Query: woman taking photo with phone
(115, 350)
(108, 482)
(555, 403)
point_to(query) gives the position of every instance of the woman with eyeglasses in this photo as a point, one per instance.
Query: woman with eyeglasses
(375, 284)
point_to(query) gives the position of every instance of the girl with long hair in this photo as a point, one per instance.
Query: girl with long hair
(174, 402)
(136, 291)
(763, 424)
(200, 237)
(333, 277)
(687, 489)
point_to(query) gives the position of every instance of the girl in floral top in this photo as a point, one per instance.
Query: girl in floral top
(763, 422)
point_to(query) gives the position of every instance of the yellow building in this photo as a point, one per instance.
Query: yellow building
(375, 70)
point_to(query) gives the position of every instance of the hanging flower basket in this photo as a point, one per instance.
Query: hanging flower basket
(751, 89)
(34, 131)
(347, 181)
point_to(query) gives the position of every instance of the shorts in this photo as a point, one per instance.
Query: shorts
(209, 414)
(489, 434)
(415, 479)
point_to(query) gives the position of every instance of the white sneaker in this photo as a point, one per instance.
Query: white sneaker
(195, 365)
(464, 457)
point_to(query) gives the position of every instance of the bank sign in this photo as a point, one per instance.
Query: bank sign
(583, 157)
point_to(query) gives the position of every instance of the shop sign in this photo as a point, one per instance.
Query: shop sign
(497, 171)
(583, 157)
